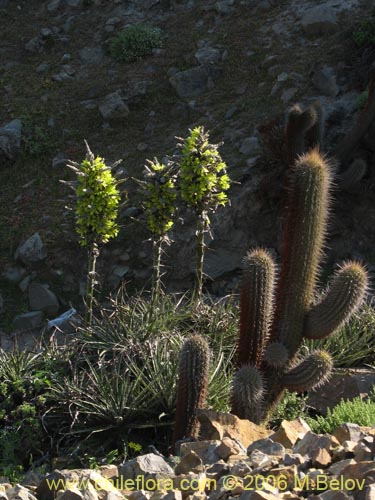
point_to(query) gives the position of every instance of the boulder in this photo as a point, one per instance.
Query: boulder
(114, 107)
(10, 140)
(290, 431)
(190, 462)
(148, 466)
(319, 20)
(42, 299)
(217, 425)
(32, 251)
(28, 321)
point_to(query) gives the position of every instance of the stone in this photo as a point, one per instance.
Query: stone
(14, 274)
(310, 442)
(113, 107)
(59, 160)
(343, 384)
(10, 140)
(288, 94)
(42, 299)
(290, 431)
(208, 55)
(320, 457)
(190, 462)
(28, 321)
(148, 466)
(268, 447)
(348, 432)
(19, 492)
(258, 459)
(324, 79)
(192, 82)
(217, 425)
(91, 55)
(54, 5)
(229, 447)
(250, 146)
(319, 20)
(362, 452)
(34, 45)
(32, 251)
(73, 493)
(337, 468)
(295, 459)
(205, 450)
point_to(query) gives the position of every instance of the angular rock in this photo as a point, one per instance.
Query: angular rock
(190, 462)
(32, 251)
(320, 457)
(228, 447)
(14, 274)
(324, 79)
(148, 466)
(290, 431)
(73, 493)
(28, 321)
(205, 450)
(216, 425)
(319, 20)
(348, 432)
(34, 45)
(208, 55)
(114, 107)
(19, 492)
(42, 299)
(260, 459)
(10, 140)
(192, 82)
(337, 468)
(268, 447)
(91, 55)
(310, 442)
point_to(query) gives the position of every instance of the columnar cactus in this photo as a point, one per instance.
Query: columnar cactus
(194, 367)
(274, 335)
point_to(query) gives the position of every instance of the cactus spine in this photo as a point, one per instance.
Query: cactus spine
(194, 367)
(247, 393)
(294, 317)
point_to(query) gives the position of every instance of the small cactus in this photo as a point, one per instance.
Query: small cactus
(194, 367)
(247, 393)
(256, 306)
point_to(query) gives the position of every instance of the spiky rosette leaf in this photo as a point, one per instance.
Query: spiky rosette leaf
(247, 393)
(344, 297)
(312, 371)
(353, 174)
(194, 367)
(298, 123)
(304, 234)
(276, 355)
(256, 300)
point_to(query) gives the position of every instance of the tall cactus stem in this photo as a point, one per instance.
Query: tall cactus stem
(298, 123)
(194, 366)
(256, 301)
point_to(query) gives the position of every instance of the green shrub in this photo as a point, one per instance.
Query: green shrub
(356, 411)
(365, 34)
(291, 406)
(136, 42)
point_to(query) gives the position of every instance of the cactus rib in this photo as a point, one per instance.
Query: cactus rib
(312, 371)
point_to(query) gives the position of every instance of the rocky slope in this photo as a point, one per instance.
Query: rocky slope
(231, 65)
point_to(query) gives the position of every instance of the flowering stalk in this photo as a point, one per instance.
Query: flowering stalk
(204, 183)
(98, 199)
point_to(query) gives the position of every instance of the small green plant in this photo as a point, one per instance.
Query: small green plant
(362, 99)
(159, 191)
(136, 42)
(204, 183)
(356, 411)
(365, 34)
(290, 407)
(98, 199)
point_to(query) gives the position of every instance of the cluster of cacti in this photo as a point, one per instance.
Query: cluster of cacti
(194, 367)
(278, 313)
